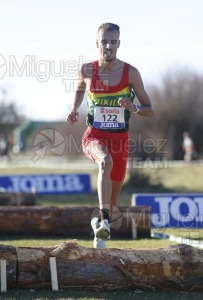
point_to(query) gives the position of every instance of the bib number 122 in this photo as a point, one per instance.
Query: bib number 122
(109, 118)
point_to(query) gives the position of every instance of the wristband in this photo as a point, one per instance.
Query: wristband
(137, 107)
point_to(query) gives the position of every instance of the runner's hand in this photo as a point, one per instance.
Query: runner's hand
(72, 117)
(126, 103)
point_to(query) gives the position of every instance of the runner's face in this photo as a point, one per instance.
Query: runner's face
(108, 42)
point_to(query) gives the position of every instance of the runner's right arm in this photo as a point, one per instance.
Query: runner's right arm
(78, 98)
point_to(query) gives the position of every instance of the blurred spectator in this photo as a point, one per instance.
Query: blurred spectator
(188, 147)
(5, 146)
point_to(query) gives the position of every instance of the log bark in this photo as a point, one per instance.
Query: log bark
(175, 268)
(72, 221)
(16, 199)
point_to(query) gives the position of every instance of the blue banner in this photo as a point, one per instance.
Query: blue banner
(47, 184)
(173, 210)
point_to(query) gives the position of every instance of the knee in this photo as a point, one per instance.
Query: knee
(106, 164)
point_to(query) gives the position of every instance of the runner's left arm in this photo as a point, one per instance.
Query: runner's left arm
(136, 83)
(145, 109)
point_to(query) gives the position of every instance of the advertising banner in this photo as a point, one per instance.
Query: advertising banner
(173, 210)
(47, 184)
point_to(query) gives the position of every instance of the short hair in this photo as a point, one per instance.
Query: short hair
(109, 27)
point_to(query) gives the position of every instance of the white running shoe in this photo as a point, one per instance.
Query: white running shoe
(97, 243)
(95, 224)
(103, 232)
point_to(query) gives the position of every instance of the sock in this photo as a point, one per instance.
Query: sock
(104, 214)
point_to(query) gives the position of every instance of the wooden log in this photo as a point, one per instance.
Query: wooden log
(176, 268)
(8, 198)
(8, 253)
(71, 221)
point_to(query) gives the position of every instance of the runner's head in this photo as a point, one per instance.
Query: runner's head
(108, 41)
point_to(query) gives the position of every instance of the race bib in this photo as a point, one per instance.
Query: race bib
(109, 117)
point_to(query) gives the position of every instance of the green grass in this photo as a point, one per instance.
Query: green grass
(183, 179)
(28, 241)
(43, 241)
(187, 178)
(77, 200)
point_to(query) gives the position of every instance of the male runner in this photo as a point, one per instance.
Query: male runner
(112, 85)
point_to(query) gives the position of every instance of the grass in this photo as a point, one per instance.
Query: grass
(28, 241)
(77, 200)
(186, 178)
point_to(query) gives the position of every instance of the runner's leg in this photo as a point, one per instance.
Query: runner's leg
(116, 189)
(102, 157)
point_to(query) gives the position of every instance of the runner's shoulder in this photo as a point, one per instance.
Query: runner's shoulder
(134, 74)
(86, 70)
(133, 70)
